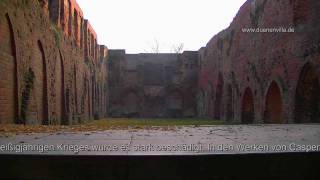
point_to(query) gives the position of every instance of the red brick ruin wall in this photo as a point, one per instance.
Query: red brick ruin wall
(52, 71)
(264, 77)
(153, 85)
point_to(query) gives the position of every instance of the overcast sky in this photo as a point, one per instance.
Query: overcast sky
(135, 24)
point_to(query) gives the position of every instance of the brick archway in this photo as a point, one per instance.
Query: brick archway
(247, 110)
(69, 19)
(43, 88)
(8, 76)
(218, 99)
(61, 106)
(38, 109)
(273, 105)
(307, 100)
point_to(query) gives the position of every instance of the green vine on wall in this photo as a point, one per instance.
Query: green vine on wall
(29, 82)
(57, 34)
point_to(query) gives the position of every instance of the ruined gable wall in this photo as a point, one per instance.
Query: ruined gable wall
(152, 85)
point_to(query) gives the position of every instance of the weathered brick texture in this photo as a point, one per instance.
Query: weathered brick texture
(273, 77)
(46, 78)
(152, 85)
(52, 71)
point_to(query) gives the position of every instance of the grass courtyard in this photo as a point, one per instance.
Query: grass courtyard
(110, 123)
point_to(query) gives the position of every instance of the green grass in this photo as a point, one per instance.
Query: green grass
(133, 122)
(107, 124)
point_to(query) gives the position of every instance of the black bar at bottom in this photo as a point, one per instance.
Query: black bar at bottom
(284, 166)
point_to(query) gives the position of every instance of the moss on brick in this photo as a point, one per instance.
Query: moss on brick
(58, 34)
(29, 82)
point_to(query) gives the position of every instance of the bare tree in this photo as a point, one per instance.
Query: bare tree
(154, 47)
(178, 48)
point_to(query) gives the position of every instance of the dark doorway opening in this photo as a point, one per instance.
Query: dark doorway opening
(247, 111)
(273, 111)
(307, 106)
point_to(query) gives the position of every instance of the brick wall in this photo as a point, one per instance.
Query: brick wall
(54, 72)
(45, 76)
(268, 65)
(8, 71)
(152, 85)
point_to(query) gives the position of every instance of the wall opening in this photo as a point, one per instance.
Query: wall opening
(81, 32)
(54, 11)
(70, 19)
(8, 77)
(307, 100)
(76, 26)
(229, 106)
(218, 99)
(62, 15)
(40, 86)
(273, 105)
(247, 110)
(61, 91)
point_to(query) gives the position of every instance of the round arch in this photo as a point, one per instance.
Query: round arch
(61, 106)
(273, 105)
(307, 98)
(43, 102)
(8, 79)
(38, 105)
(247, 108)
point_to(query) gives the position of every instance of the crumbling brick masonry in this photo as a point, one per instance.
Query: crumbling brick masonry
(52, 71)
(264, 77)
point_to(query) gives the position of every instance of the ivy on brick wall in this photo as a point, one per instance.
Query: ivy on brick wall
(29, 82)
(57, 35)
